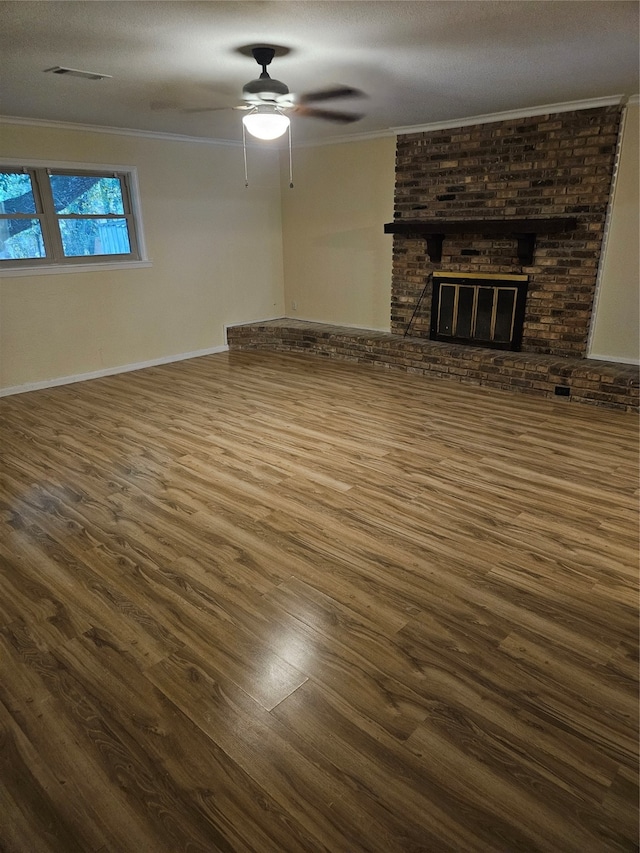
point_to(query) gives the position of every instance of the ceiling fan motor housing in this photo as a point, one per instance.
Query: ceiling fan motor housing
(266, 92)
(265, 86)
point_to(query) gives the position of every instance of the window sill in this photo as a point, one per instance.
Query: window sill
(56, 269)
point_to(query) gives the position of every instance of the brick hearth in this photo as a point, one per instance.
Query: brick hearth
(600, 383)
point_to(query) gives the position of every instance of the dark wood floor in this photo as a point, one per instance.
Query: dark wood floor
(270, 603)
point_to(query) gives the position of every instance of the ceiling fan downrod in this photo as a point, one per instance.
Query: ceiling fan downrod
(272, 89)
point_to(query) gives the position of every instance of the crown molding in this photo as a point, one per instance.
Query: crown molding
(526, 112)
(351, 137)
(177, 137)
(117, 131)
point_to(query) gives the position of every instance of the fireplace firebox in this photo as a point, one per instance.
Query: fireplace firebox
(480, 310)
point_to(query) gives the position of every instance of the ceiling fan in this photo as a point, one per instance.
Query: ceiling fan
(268, 102)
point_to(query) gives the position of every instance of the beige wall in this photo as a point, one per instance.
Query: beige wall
(223, 254)
(337, 260)
(215, 247)
(615, 329)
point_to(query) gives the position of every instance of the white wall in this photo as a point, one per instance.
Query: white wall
(215, 247)
(337, 259)
(615, 326)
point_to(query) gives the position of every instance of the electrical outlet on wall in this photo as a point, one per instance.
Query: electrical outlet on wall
(294, 305)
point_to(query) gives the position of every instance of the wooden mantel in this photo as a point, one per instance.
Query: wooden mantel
(524, 231)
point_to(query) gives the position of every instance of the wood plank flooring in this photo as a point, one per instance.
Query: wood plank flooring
(259, 602)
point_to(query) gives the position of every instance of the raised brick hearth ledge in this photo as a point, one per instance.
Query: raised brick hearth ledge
(601, 383)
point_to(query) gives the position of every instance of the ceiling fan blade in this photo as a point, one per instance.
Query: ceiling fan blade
(328, 115)
(330, 94)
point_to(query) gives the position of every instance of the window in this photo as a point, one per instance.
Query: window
(65, 217)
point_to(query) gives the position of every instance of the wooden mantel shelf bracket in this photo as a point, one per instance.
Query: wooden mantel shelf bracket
(524, 231)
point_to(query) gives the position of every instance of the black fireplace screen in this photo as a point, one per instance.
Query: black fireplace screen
(478, 311)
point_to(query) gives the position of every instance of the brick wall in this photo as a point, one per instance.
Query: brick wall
(545, 166)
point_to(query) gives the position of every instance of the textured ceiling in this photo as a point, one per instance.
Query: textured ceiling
(419, 62)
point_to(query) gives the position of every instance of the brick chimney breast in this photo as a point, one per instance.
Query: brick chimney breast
(542, 166)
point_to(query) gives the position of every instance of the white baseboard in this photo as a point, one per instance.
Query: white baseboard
(108, 371)
(615, 358)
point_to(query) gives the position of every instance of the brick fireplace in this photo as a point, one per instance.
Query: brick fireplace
(523, 199)
(550, 167)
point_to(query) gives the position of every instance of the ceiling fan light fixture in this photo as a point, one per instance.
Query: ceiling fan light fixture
(266, 122)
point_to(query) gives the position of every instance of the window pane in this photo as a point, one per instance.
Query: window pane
(94, 237)
(21, 238)
(86, 194)
(16, 193)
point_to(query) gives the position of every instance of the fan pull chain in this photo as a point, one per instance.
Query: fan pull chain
(290, 160)
(244, 151)
(244, 154)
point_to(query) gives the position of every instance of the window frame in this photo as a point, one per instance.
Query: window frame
(55, 260)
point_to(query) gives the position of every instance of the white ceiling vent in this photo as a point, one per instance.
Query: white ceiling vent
(75, 72)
